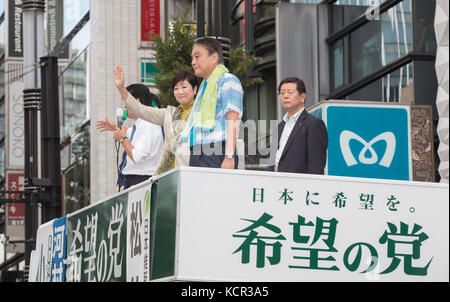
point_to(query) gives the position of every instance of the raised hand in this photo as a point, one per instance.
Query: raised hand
(119, 78)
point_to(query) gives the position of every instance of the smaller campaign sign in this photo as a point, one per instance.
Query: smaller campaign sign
(59, 250)
(138, 235)
(369, 141)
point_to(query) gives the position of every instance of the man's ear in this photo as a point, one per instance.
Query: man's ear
(216, 57)
(137, 99)
(303, 97)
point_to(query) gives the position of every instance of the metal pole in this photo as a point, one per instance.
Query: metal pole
(34, 47)
(50, 159)
(249, 39)
(200, 18)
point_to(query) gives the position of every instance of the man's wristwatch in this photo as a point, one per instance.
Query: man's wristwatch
(229, 156)
(123, 138)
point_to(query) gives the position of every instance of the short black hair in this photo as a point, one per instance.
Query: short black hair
(212, 45)
(185, 75)
(141, 92)
(300, 84)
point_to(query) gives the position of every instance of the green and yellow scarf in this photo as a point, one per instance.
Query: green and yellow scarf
(179, 118)
(203, 115)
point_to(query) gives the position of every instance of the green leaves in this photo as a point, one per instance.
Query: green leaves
(174, 54)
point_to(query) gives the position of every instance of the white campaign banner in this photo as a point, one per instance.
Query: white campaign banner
(40, 262)
(260, 226)
(138, 234)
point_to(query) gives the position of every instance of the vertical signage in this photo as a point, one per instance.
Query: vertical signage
(15, 118)
(150, 21)
(55, 26)
(16, 211)
(15, 29)
(15, 214)
(58, 268)
(138, 235)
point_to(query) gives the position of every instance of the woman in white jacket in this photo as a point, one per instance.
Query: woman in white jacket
(173, 119)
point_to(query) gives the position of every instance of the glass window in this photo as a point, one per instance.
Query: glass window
(75, 162)
(81, 39)
(381, 42)
(426, 85)
(77, 186)
(2, 79)
(338, 63)
(2, 37)
(74, 101)
(2, 7)
(74, 10)
(396, 86)
(148, 70)
(424, 35)
(180, 5)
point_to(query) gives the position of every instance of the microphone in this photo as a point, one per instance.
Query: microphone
(121, 115)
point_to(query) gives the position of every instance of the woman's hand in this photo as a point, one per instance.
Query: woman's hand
(119, 79)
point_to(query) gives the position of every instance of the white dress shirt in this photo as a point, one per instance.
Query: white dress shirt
(148, 143)
(290, 123)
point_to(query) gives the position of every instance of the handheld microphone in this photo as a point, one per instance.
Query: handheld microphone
(121, 115)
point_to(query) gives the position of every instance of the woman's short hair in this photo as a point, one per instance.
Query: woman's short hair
(212, 45)
(141, 92)
(300, 85)
(185, 75)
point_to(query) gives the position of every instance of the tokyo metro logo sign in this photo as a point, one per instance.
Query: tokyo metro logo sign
(369, 141)
(349, 158)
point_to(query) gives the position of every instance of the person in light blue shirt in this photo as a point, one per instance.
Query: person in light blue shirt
(212, 127)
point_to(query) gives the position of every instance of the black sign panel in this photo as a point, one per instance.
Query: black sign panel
(55, 26)
(15, 29)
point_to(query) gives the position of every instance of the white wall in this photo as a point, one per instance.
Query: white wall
(442, 71)
(114, 40)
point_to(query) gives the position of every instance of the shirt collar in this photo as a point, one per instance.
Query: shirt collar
(294, 117)
(139, 122)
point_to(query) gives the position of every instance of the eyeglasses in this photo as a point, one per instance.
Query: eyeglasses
(289, 92)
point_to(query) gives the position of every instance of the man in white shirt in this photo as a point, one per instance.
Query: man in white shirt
(302, 138)
(142, 144)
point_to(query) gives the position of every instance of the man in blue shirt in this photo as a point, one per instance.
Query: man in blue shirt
(212, 127)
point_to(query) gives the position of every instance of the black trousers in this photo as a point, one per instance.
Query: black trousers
(209, 155)
(131, 180)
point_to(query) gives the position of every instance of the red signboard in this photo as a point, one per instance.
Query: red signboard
(16, 211)
(150, 18)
